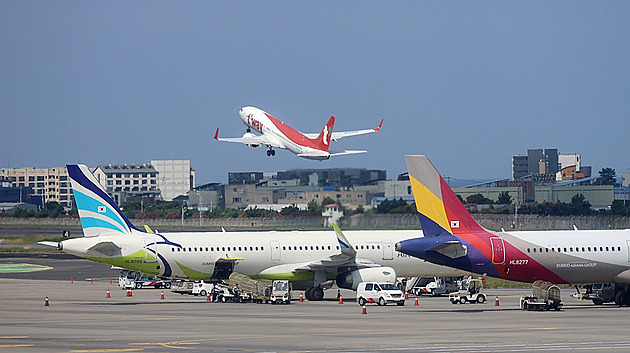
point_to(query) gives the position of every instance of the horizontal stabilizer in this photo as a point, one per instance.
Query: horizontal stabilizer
(49, 243)
(106, 248)
(451, 249)
(343, 153)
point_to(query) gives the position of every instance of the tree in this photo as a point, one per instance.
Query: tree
(478, 199)
(289, 210)
(580, 205)
(619, 209)
(504, 198)
(607, 176)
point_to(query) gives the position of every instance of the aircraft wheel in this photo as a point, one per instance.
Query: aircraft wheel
(273, 153)
(307, 293)
(317, 294)
(268, 153)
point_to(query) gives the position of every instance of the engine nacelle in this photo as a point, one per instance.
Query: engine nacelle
(250, 135)
(351, 280)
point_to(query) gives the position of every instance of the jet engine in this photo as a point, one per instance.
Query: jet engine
(250, 135)
(351, 279)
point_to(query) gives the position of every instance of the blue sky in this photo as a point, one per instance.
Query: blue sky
(469, 84)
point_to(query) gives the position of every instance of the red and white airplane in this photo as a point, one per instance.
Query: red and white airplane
(276, 133)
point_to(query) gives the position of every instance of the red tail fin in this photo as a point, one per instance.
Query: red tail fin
(323, 140)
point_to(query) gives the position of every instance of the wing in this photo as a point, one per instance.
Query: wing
(251, 140)
(336, 135)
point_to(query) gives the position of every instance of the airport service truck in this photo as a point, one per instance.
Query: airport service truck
(435, 286)
(545, 296)
(601, 293)
(275, 292)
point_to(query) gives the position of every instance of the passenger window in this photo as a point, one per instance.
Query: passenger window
(190, 249)
(240, 249)
(583, 249)
(577, 249)
(589, 249)
(541, 250)
(601, 248)
(534, 249)
(528, 250)
(172, 249)
(300, 247)
(256, 248)
(606, 248)
(311, 247)
(251, 248)
(262, 249)
(195, 249)
(619, 248)
(546, 249)
(179, 249)
(571, 249)
(328, 247)
(283, 248)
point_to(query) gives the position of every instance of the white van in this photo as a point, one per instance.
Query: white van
(379, 293)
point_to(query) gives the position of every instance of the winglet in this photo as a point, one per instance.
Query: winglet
(344, 244)
(216, 134)
(148, 229)
(379, 125)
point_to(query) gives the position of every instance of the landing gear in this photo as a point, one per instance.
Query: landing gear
(270, 152)
(314, 293)
(622, 298)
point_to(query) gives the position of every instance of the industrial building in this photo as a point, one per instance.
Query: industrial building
(51, 184)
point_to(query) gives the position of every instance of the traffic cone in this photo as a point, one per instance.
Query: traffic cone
(340, 299)
(496, 301)
(301, 298)
(46, 302)
(162, 295)
(207, 298)
(108, 296)
(129, 294)
(406, 295)
(364, 310)
(416, 303)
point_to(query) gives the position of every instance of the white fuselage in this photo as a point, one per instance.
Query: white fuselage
(266, 254)
(282, 134)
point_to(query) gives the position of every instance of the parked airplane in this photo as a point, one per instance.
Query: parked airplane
(453, 238)
(276, 133)
(309, 259)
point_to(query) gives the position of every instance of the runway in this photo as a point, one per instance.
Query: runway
(81, 319)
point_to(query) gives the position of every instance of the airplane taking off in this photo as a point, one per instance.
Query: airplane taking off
(276, 133)
(453, 238)
(308, 259)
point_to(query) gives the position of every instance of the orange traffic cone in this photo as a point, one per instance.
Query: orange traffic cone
(162, 295)
(364, 310)
(46, 302)
(301, 298)
(416, 303)
(208, 298)
(340, 299)
(129, 294)
(108, 296)
(496, 301)
(406, 295)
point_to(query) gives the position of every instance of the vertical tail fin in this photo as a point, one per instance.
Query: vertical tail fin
(323, 140)
(99, 214)
(440, 210)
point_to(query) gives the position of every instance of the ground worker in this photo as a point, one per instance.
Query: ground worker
(237, 293)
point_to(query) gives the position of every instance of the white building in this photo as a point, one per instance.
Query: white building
(124, 181)
(176, 177)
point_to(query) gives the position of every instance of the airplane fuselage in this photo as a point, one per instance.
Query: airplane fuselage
(273, 256)
(586, 256)
(282, 134)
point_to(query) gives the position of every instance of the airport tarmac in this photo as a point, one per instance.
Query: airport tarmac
(81, 319)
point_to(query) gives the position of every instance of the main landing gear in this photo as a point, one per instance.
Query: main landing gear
(314, 293)
(271, 152)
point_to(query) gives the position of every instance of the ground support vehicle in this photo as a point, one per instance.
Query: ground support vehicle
(275, 292)
(379, 293)
(133, 279)
(546, 296)
(182, 287)
(435, 286)
(601, 293)
(470, 291)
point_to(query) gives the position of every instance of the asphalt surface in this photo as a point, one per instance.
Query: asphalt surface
(81, 319)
